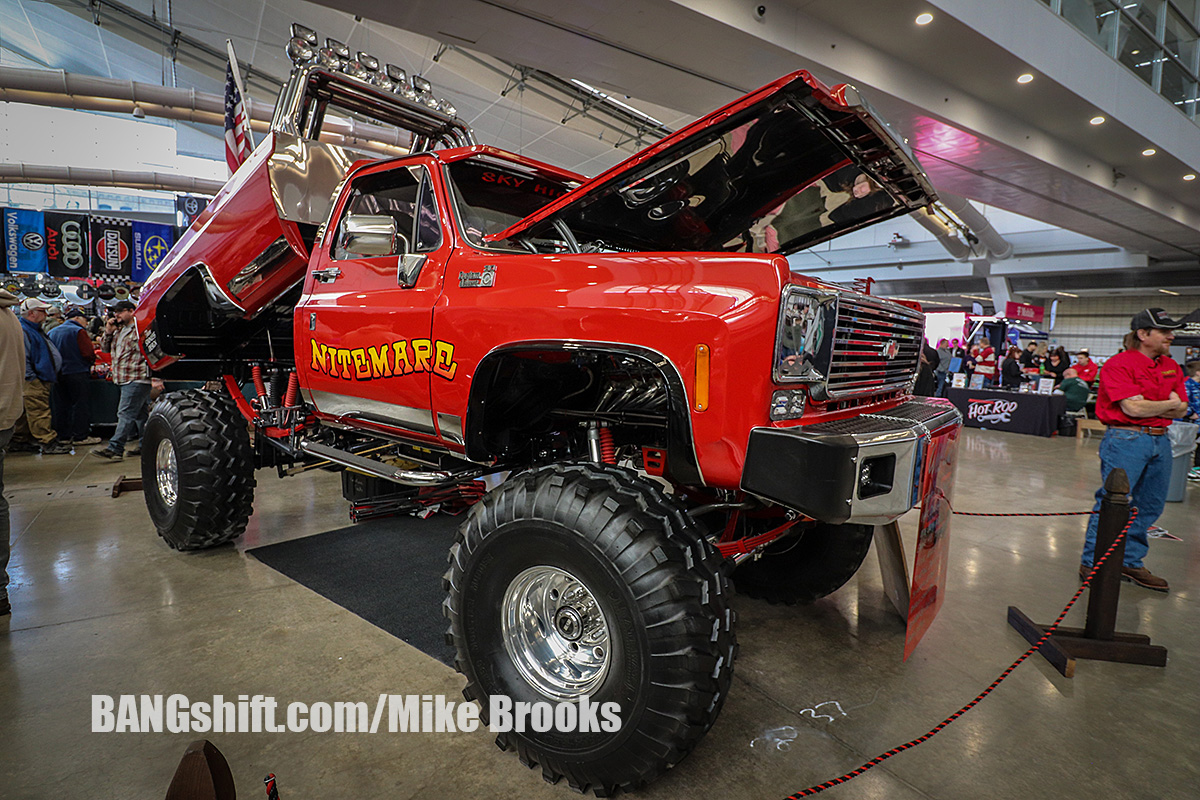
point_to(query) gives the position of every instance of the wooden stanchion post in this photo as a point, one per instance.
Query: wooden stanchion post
(1098, 640)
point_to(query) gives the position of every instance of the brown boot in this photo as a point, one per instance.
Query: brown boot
(1144, 577)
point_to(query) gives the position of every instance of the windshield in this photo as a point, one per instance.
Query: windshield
(491, 196)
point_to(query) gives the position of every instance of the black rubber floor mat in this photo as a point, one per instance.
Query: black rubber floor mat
(387, 571)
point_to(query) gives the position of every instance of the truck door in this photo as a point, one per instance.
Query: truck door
(362, 328)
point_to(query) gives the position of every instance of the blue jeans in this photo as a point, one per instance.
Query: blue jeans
(131, 413)
(1146, 460)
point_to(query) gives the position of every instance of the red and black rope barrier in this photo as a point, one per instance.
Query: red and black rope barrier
(817, 789)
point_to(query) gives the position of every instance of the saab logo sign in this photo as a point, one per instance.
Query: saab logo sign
(385, 360)
(993, 411)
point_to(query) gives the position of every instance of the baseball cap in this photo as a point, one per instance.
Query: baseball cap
(1083, 351)
(123, 305)
(31, 303)
(75, 312)
(1153, 318)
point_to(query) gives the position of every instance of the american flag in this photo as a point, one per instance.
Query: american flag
(238, 143)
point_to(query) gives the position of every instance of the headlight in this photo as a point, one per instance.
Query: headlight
(804, 343)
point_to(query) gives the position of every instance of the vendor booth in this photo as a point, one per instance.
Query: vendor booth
(1017, 412)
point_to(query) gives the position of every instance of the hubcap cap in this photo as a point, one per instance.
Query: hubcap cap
(166, 472)
(555, 633)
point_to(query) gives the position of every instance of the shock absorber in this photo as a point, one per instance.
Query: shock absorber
(601, 448)
(260, 388)
(293, 391)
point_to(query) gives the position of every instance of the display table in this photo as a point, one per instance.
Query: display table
(998, 410)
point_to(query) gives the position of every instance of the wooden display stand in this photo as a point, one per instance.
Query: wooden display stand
(1098, 640)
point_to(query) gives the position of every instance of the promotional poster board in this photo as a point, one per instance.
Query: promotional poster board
(24, 240)
(67, 244)
(111, 248)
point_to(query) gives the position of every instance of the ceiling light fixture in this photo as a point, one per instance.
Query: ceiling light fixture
(1066, 294)
(924, 19)
(1168, 291)
(1026, 78)
(1191, 176)
(1149, 151)
(1097, 120)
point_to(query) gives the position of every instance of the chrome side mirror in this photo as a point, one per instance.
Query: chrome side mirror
(371, 235)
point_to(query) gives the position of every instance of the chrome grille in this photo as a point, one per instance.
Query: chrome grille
(876, 347)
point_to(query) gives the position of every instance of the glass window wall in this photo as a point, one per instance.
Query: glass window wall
(1158, 40)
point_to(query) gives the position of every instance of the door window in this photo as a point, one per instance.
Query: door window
(405, 195)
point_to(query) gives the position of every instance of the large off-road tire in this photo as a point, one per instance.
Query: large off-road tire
(197, 469)
(584, 580)
(801, 570)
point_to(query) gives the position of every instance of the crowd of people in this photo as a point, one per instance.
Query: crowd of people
(953, 356)
(64, 349)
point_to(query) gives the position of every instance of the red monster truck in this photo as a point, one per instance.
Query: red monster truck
(671, 402)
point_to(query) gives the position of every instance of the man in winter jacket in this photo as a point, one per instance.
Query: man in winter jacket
(12, 406)
(78, 354)
(34, 431)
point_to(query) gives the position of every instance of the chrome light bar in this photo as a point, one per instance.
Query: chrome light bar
(303, 48)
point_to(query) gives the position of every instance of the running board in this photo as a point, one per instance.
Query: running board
(407, 477)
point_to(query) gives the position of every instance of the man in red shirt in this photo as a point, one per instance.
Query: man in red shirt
(1085, 367)
(1141, 391)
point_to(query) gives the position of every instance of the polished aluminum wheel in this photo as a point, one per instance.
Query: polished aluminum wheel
(555, 633)
(166, 473)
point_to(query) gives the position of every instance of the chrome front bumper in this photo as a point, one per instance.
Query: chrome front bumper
(864, 470)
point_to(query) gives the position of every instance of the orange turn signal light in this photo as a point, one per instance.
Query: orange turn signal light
(702, 359)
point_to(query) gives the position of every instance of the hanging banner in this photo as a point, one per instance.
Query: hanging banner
(187, 208)
(1024, 312)
(151, 242)
(111, 247)
(24, 240)
(66, 244)
(1189, 334)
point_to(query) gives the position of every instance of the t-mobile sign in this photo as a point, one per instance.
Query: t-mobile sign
(1024, 312)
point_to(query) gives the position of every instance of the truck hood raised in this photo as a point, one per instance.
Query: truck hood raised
(781, 169)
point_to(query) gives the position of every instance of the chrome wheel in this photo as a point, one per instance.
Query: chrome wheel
(555, 633)
(166, 473)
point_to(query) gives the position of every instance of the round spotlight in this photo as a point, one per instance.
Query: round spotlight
(924, 19)
(1191, 176)
(1026, 78)
(299, 50)
(1149, 151)
(1097, 120)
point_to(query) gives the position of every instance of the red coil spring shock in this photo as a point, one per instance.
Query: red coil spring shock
(293, 390)
(608, 450)
(259, 387)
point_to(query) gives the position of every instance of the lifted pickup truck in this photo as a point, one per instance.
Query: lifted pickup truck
(669, 403)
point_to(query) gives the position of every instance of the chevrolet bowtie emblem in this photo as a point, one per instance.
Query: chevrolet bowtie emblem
(890, 349)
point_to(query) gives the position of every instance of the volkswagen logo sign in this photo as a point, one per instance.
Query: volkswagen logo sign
(890, 348)
(33, 241)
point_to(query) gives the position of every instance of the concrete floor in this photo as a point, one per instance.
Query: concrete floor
(101, 606)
